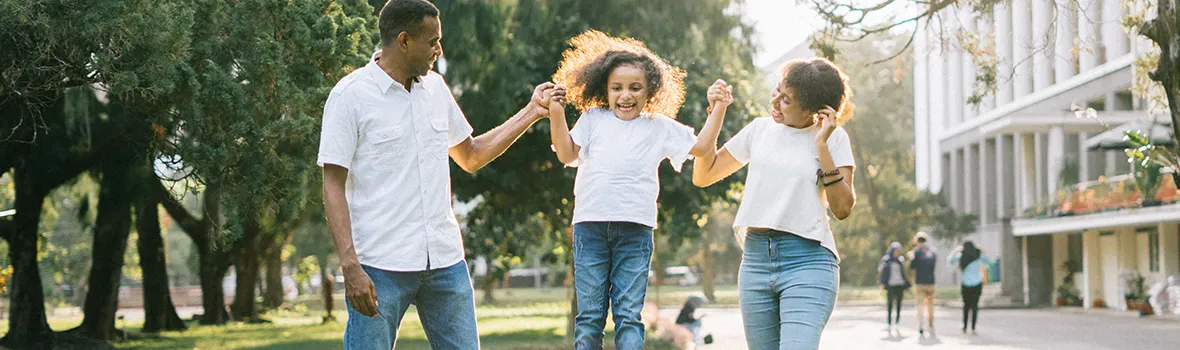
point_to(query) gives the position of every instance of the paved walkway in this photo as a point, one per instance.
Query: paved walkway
(863, 327)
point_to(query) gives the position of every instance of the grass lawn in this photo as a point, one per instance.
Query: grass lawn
(520, 319)
(515, 326)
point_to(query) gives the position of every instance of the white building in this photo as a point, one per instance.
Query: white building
(1013, 150)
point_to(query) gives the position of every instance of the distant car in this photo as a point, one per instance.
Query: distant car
(678, 275)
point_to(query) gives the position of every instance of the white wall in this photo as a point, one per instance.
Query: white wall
(1170, 248)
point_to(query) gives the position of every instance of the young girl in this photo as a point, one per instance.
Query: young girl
(627, 96)
(800, 165)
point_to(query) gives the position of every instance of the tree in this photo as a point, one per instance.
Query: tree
(51, 50)
(249, 105)
(113, 225)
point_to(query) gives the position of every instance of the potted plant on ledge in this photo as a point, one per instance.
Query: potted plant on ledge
(1145, 167)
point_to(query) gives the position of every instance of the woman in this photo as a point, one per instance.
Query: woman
(801, 165)
(894, 282)
(973, 265)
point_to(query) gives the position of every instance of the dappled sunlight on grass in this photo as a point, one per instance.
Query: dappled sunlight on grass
(520, 319)
(533, 326)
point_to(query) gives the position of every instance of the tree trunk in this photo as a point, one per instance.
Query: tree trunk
(214, 264)
(327, 283)
(27, 326)
(274, 295)
(159, 312)
(273, 298)
(110, 244)
(709, 271)
(489, 287)
(879, 235)
(1164, 30)
(246, 267)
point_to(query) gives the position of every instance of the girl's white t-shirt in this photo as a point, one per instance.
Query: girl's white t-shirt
(782, 191)
(618, 177)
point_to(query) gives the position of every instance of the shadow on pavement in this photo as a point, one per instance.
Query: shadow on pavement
(894, 336)
(929, 340)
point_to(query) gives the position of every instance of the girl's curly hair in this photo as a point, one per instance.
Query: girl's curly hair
(593, 55)
(818, 82)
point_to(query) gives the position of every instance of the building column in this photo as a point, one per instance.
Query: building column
(1056, 159)
(1022, 48)
(1066, 31)
(956, 181)
(1024, 267)
(1083, 158)
(970, 187)
(967, 18)
(1111, 165)
(1002, 14)
(1027, 171)
(987, 31)
(1042, 44)
(1039, 185)
(954, 66)
(1003, 158)
(987, 212)
(1114, 40)
(944, 163)
(1088, 269)
(936, 83)
(1089, 15)
(922, 139)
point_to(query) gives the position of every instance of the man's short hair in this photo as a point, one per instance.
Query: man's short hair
(403, 16)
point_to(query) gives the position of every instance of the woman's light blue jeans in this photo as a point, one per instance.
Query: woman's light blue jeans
(787, 287)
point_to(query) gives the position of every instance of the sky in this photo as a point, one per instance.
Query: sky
(780, 26)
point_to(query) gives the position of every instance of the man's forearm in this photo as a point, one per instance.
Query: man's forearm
(492, 144)
(340, 225)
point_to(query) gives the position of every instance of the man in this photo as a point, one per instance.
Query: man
(922, 262)
(387, 131)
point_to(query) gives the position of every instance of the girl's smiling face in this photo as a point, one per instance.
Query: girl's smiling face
(786, 110)
(626, 91)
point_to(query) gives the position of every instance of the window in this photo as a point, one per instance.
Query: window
(1153, 247)
(1075, 248)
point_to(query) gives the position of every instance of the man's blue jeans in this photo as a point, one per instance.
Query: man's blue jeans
(787, 287)
(611, 260)
(445, 303)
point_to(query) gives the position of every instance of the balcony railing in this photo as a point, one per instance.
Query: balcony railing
(1106, 194)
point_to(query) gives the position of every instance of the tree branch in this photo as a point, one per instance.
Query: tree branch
(197, 229)
(903, 49)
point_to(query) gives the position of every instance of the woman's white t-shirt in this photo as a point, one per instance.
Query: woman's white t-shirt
(618, 177)
(782, 191)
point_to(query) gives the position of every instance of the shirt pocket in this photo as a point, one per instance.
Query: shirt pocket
(386, 146)
(440, 120)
